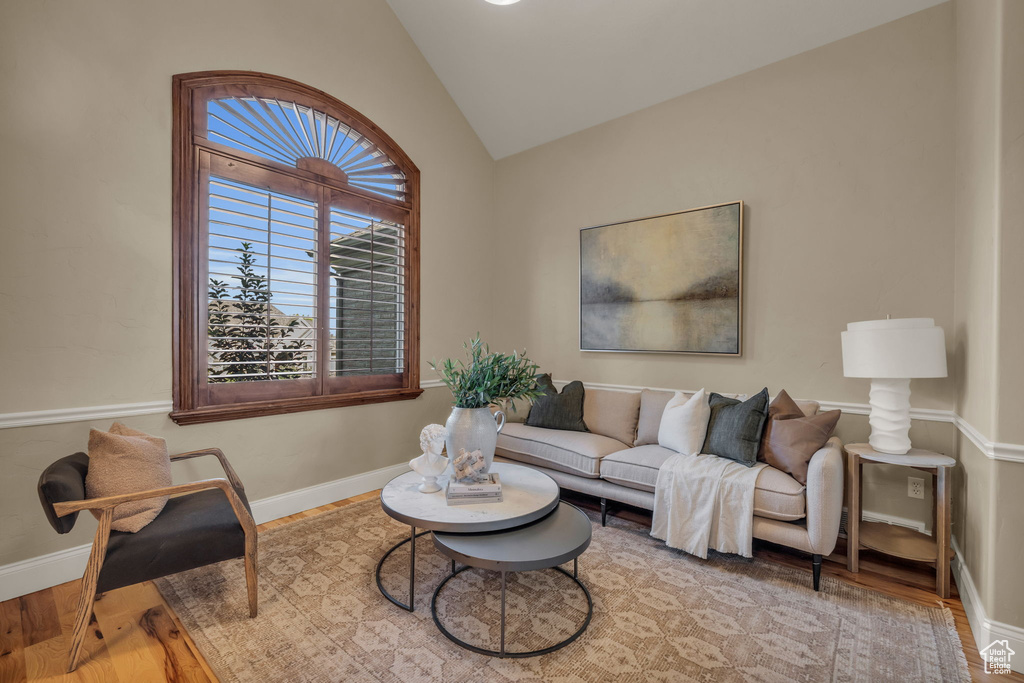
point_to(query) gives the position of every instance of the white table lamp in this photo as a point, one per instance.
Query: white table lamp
(890, 353)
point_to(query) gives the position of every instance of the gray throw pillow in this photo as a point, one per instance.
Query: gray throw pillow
(556, 410)
(734, 430)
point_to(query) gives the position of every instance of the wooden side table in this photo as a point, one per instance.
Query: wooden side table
(897, 540)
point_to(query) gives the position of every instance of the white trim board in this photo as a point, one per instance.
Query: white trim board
(49, 417)
(35, 418)
(997, 451)
(983, 629)
(1010, 452)
(37, 573)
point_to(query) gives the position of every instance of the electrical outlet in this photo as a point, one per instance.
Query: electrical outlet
(915, 487)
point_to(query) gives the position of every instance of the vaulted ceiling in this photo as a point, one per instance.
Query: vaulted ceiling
(534, 71)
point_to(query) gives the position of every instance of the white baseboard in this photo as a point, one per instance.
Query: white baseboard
(983, 629)
(37, 573)
(311, 497)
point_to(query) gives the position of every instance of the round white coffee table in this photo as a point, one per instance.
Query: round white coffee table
(527, 495)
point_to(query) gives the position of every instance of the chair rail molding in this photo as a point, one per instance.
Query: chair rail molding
(35, 418)
(57, 416)
(1007, 452)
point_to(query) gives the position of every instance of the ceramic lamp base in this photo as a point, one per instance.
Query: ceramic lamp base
(890, 415)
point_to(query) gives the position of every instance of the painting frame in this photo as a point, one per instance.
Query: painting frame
(584, 346)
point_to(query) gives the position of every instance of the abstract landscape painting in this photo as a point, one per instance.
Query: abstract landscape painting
(669, 283)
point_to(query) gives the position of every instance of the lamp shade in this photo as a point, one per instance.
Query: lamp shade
(900, 348)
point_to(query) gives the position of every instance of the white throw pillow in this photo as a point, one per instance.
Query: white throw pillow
(684, 424)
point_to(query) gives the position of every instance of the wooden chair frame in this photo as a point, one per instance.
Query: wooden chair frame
(105, 507)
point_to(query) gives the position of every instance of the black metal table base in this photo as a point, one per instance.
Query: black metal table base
(412, 570)
(502, 652)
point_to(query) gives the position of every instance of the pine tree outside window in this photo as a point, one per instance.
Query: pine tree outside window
(296, 241)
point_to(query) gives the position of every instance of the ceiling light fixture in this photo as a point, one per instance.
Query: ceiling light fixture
(502, 2)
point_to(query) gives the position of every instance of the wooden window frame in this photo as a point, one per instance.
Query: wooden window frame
(191, 158)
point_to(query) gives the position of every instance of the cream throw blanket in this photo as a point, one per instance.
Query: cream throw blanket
(704, 501)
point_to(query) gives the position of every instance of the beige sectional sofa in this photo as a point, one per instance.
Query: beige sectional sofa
(619, 458)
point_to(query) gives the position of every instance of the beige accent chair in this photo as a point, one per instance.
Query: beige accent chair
(619, 458)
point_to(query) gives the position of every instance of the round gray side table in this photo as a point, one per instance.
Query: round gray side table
(561, 536)
(527, 494)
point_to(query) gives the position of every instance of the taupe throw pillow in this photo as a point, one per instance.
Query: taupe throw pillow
(125, 460)
(791, 439)
(556, 410)
(652, 407)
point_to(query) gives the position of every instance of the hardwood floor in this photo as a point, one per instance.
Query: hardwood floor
(135, 636)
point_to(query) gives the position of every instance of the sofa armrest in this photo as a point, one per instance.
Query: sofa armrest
(825, 497)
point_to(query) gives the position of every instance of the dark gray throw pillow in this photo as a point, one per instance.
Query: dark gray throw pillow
(734, 430)
(556, 410)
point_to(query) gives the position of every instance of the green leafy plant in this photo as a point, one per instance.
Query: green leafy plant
(489, 378)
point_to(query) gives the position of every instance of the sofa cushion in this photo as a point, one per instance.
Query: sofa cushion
(556, 410)
(612, 413)
(808, 408)
(573, 452)
(776, 494)
(652, 405)
(635, 468)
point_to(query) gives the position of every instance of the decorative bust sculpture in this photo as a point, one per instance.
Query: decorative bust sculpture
(431, 463)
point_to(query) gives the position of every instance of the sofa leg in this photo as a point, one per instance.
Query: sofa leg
(816, 560)
(604, 511)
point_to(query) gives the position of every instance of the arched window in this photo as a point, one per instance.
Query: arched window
(296, 247)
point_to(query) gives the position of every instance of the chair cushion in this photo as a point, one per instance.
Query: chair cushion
(573, 452)
(128, 461)
(612, 413)
(776, 494)
(192, 531)
(62, 482)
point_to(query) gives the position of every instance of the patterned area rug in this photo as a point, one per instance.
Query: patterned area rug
(659, 615)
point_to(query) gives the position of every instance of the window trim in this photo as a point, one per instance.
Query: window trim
(189, 295)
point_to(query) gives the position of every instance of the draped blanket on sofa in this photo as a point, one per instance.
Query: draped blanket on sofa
(704, 501)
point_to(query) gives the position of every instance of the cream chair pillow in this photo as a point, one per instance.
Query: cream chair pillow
(684, 424)
(125, 460)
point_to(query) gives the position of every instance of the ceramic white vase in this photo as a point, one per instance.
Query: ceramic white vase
(474, 429)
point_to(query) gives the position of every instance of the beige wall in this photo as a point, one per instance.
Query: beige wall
(989, 281)
(85, 224)
(977, 79)
(1010, 399)
(843, 156)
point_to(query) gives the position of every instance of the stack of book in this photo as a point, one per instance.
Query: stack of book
(474, 493)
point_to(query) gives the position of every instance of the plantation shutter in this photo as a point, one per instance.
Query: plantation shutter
(296, 246)
(262, 272)
(367, 294)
